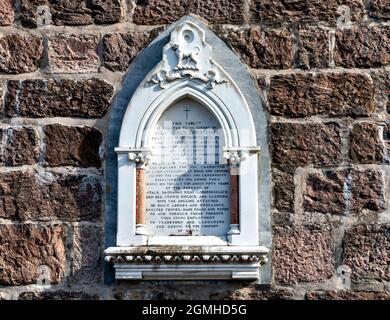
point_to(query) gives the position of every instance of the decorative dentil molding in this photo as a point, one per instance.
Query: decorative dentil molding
(187, 56)
(187, 258)
(187, 262)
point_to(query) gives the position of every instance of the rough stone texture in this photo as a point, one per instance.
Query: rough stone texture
(57, 295)
(366, 252)
(264, 49)
(302, 254)
(58, 98)
(363, 47)
(298, 144)
(86, 257)
(344, 191)
(155, 12)
(347, 295)
(332, 94)
(381, 79)
(120, 49)
(380, 9)
(72, 146)
(313, 50)
(366, 143)
(251, 293)
(272, 11)
(72, 12)
(26, 196)
(25, 247)
(388, 97)
(6, 12)
(20, 145)
(104, 11)
(283, 191)
(70, 53)
(386, 136)
(19, 53)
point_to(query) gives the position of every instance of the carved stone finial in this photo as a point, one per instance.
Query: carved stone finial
(187, 56)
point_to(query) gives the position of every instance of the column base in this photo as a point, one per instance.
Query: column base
(140, 229)
(234, 229)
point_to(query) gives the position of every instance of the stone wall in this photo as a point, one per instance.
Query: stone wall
(324, 80)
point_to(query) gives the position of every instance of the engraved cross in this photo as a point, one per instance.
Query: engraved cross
(186, 110)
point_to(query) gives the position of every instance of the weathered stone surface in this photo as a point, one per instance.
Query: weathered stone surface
(347, 295)
(302, 254)
(283, 191)
(6, 12)
(27, 196)
(381, 79)
(57, 295)
(388, 95)
(362, 47)
(271, 11)
(265, 49)
(313, 50)
(19, 54)
(72, 146)
(153, 12)
(25, 247)
(366, 143)
(380, 9)
(86, 254)
(344, 191)
(72, 12)
(70, 53)
(119, 49)
(20, 145)
(366, 252)
(104, 12)
(386, 136)
(254, 294)
(333, 94)
(68, 12)
(298, 144)
(58, 98)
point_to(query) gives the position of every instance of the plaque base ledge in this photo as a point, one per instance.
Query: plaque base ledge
(186, 262)
(183, 249)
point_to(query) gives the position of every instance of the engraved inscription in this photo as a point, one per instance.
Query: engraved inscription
(187, 180)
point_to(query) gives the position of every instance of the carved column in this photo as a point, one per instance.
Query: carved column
(234, 159)
(141, 159)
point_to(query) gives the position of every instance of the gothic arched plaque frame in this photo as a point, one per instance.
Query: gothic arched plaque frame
(137, 255)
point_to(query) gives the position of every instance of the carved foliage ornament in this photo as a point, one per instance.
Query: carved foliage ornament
(141, 158)
(187, 56)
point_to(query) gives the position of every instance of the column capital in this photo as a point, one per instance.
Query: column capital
(141, 158)
(235, 155)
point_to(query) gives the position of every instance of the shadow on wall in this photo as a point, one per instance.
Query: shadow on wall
(138, 69)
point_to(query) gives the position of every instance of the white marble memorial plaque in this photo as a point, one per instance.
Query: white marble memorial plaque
(187, 180)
